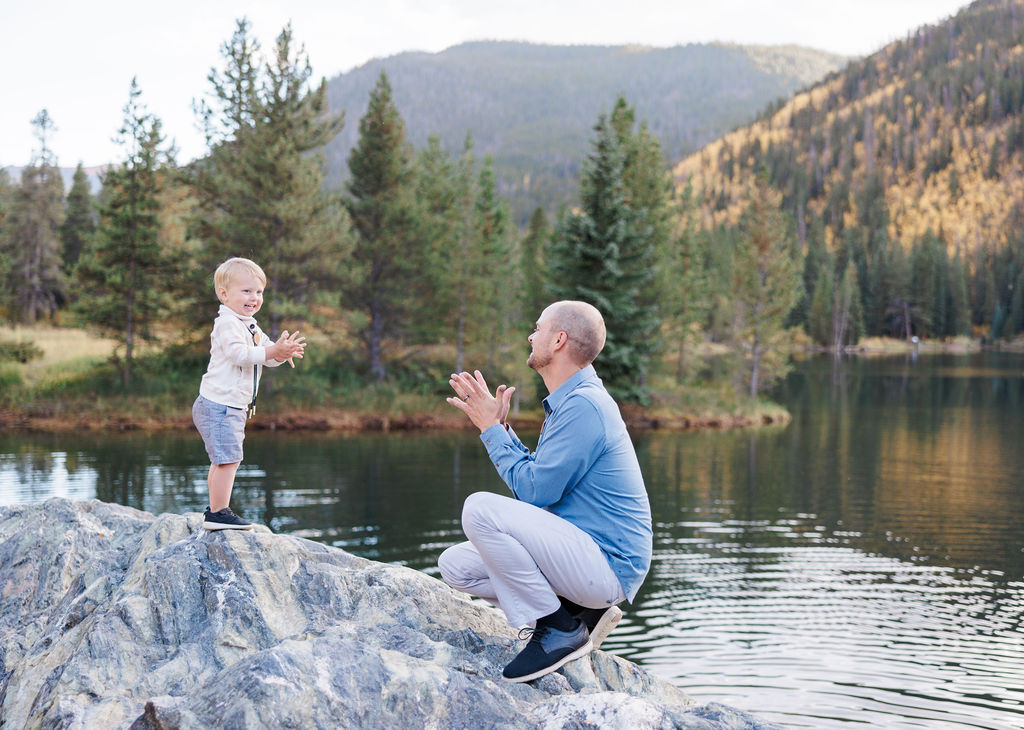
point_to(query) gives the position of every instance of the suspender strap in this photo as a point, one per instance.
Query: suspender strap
(251, 410)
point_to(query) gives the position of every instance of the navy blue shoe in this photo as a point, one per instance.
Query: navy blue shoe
(547, 650)
(224, 519)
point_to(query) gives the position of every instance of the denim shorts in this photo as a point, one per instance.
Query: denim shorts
(222, 429)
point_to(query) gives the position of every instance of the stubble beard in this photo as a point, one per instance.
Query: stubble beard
(538, 361)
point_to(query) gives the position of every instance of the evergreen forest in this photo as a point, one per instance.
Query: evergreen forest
(903, 174)
(881, 200)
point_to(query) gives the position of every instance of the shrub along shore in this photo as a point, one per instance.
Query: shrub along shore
(71, 383)
(140, 415)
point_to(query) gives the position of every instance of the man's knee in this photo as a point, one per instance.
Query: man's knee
(454, 569)
(478, 512)
(446, 565)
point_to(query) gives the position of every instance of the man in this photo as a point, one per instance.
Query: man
(576, 538)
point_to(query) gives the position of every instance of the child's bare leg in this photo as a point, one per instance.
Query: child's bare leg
(220, 481)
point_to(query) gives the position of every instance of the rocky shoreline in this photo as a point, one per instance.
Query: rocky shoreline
(115, 618)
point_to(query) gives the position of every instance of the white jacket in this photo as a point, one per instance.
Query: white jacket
(238, 352)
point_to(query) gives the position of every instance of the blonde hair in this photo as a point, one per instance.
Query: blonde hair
(227, 270)
(584, 325)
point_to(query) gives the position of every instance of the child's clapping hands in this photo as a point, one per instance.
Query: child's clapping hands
(287, 347)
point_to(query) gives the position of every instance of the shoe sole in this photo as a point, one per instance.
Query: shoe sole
(581, 652)
(609, 620)
(220, 526)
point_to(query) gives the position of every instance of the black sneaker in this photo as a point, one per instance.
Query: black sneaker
(547, 650)
(224, 519)
(600, 622)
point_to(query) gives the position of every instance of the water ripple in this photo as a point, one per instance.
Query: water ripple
(877, 640)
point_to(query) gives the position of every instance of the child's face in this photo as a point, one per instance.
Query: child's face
(243, 294)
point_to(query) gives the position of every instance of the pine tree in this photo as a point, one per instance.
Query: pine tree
(819, 314)
(7, 191)
(649, 187)
(1016, 318)
(929, 286)
(496, 273)
(817, 259)
(80, 222)
(260, 190)
(532, 296)
(35, 282)
(439, 186)
(765, 286)
(960, 306)
(847, 310)
(122, 273)
(388, 257)
(897, 309)
(466, 224)
(686, 282)
(604, 255)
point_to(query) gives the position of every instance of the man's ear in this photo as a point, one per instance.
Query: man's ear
(561, 340)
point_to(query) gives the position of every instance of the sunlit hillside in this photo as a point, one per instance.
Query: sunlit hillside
(924, 136)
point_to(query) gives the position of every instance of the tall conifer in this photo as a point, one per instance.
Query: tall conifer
(36, 284)
(260, 190)
(388, 257)
(604, 255)
(6, 203)
(439, 194)
(686, 290)
(80, 222)
(496, 274)
(765, 286)
(532, 296)
(122, 274)
(819, 313)
(847, 310)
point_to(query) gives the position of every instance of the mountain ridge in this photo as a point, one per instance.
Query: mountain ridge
(533, 106)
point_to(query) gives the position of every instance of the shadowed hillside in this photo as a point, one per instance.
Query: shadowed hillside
(532, 106)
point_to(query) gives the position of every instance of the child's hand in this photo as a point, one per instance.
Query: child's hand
(287, 347)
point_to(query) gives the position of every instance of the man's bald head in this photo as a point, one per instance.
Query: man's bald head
(583, 324)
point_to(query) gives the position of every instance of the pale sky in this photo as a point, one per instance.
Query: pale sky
(77, 59)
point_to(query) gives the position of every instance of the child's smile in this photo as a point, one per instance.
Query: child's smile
(243, 295)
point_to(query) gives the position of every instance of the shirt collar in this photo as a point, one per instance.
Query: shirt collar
(226, 310)
(562, 391)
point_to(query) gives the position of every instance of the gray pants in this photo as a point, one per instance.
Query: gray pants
(522, 558)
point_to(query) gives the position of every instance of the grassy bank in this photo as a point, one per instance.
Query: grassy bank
(75, 384)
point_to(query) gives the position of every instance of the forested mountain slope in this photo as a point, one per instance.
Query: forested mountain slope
(533, 106)
(924, 137)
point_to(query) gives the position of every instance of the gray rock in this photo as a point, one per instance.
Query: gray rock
(114, 618)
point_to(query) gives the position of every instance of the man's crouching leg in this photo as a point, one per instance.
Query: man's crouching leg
(531, 557)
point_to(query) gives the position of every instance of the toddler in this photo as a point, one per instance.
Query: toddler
(227, 394)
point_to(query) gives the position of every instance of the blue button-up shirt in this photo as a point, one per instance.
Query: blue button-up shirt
(585, 471)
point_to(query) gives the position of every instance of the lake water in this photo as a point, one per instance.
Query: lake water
(861, 566)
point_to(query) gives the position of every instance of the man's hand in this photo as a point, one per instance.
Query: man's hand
(287, 347)
(475, 400)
